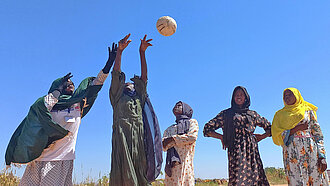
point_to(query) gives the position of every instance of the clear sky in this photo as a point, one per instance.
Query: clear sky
(265, 46)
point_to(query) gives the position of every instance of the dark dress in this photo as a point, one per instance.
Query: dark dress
(128, 158)
(245, 166)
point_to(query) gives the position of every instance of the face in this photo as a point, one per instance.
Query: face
(129, 86)
(239, 97)
(289, 97)
(68, 87)
(178, 109)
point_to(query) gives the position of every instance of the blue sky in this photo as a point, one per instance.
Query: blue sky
(265, 46)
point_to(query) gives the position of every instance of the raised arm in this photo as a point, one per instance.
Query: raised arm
(103, 74)
(143, 47)
(122, 44)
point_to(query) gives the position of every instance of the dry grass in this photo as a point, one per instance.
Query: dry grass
(8, 177)
(275, 177)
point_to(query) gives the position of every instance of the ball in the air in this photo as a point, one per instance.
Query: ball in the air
(166, 26)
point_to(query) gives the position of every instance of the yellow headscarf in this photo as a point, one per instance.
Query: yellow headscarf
(290, 115)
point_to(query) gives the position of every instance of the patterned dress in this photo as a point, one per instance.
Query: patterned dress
(245, 166)
(182, 174)
(301, 152)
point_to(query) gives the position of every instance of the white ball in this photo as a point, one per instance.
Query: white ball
(166, 25)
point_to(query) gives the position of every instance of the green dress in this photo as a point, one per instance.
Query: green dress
(128, 159)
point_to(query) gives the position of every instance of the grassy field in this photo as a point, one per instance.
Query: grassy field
(276, 176)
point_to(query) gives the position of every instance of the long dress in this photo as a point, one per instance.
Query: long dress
(301, 152)
(128, 159)
(245, 166)
(182, 174)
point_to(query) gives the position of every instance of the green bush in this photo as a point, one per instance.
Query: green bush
(275, 175)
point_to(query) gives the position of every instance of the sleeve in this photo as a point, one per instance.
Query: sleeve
(214, 124)
(50, 101)
(42, 114)
(287, 139)
(100, 78)
(170, 145)
(317, 135)
(262, 122)
(140, 87)
(116, 87)
(190, 137)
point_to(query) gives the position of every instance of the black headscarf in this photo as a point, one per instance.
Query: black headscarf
(183, 125)
(229, 126)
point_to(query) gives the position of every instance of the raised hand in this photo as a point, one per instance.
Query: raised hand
(112, 52)
(145, 44)
(60, 89)
(123, 43)
(66, 77)
(111, 59)
(64, 80)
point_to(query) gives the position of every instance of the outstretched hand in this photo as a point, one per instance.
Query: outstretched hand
(59, 90)
(66, 77)
(145, 44)
(123, 43)
(111, 59)
(112, 52)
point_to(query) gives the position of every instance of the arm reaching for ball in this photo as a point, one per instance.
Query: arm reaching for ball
(143, 47)
(122, 44)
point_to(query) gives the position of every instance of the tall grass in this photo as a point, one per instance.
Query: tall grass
(8, 177)
(274, 175)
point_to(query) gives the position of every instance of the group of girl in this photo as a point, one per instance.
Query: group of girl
(46, 138)
(294, 127)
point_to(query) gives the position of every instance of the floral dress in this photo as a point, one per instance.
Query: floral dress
(245, 166)
(301, 152)
(182, 174)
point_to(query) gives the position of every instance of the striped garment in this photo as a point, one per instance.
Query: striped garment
(48, 173)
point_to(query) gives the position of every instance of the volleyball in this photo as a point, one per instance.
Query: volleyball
(166, 26)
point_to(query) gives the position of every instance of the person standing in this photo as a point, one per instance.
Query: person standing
(128, 157)
(46, 138)
(296, 129)
(179, 140)
(238, 124)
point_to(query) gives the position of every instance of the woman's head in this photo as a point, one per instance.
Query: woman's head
(182, 109)
(240, 98)
(178, 108)
(288, 97)
(129, 86)
(68, 87)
